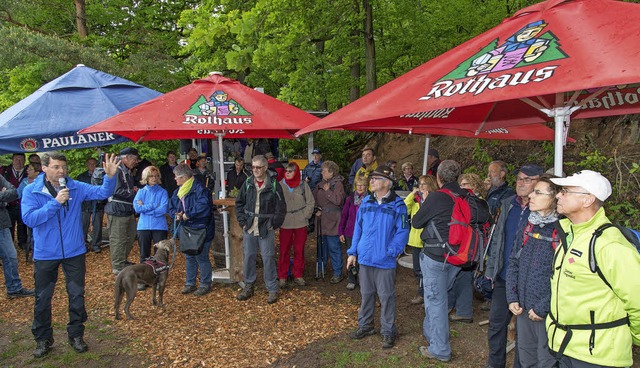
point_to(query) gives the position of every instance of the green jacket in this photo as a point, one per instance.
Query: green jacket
(576, 293)
(412, 208)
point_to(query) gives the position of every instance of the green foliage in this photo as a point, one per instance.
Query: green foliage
(332, 144)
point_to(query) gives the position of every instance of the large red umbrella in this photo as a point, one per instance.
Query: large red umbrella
(211, 107)
(556, 59)
(204, 108)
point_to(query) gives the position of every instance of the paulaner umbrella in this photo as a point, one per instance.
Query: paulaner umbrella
(49, 118)
(554, 60)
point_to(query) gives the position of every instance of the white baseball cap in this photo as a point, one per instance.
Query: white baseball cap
(592, 181)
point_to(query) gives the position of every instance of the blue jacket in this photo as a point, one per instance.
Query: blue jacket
(197, 206)
(154, 209)
(381, 231)
(57, 231)
(312, 171)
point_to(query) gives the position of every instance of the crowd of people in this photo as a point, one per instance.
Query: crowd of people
(540, 259)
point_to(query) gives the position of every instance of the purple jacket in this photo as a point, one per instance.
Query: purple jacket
(348, 218)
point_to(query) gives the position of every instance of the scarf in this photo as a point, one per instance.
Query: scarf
(537, 219)
(357, 198)
(295, 181)
(185, 188)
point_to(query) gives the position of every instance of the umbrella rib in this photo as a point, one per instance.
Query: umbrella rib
(485, 119)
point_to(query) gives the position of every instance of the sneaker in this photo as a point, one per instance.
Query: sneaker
(351, 286)
(202, 290)
(142, 287)
(21, 293)
(424, 351)
(336, 279)
(361, 333)
(42, 348)
(78, 344)
(417, 300)
(299, 281)
(188, 289)
(273, 297)
(388, 341)
(246, 293)
(456, 318)
(282, 283)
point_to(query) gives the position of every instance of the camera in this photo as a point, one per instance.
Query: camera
(353, 270)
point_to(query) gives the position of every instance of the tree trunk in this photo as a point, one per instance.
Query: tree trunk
(81, 18)
(369, 46)
(354, 91)
(322, 104)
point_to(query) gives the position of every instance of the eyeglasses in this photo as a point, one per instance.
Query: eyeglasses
(258, 167)
(526, 180)
(180, 176)
(565, 191)
(374, 178)
(153, 176)
(537, 192)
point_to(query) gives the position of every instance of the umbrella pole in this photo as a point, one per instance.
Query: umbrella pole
(561, 117)
(225, 213)
(427, 139)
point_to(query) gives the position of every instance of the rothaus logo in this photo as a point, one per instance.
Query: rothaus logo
(529, 46)
(217, 110)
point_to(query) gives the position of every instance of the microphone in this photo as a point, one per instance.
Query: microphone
(63, 184)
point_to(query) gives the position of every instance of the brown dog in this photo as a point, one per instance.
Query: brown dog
(128, 279)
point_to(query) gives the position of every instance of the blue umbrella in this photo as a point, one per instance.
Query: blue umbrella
(50, 118)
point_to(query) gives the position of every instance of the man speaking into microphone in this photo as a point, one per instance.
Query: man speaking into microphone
(52, 207)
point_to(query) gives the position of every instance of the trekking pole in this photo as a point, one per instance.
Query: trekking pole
(319, 250)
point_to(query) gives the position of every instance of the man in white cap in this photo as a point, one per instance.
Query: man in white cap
(595, 315)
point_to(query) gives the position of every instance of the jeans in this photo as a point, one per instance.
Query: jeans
(378, 281)
(201, 261)
(461, 295)
(250, 245)
(296, 238)
(332, 244)
(148, 237)
(438, 279)
(9, 259)
(46, 275)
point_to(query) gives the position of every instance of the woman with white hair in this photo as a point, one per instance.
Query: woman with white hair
(151, 202)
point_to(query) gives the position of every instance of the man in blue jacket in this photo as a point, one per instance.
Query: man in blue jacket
(52, 207)
(380, 234)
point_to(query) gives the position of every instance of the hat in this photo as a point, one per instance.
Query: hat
(530, 170)
(593, 182)
(433, 152)
(129, 151)
(383, 171)
(316, 151)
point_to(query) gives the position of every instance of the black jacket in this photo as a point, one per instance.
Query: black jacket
(235, 180)
(273, 208)
(121, 202)
(437, 208)
(168, 179)
(9, 194)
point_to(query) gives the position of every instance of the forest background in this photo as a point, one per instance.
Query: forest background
(316, 55)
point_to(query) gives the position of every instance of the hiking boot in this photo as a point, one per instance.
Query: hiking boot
(188, 289)
(361, 333)
(388, 341)
(351, 286)
(456, 318)
(485, 306)
(21, 293)
(299, 281)
(43, 348)
(424, 351)
(96, 249)
(273, 297)
(282, 283)
(336, 279)
(246, 293)
(417, 300)
(115, 272)
(142, 287)
(202, 290)
(78, 344)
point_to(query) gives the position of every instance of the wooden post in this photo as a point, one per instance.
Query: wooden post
(235, 239)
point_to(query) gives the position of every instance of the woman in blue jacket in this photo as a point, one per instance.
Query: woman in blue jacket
(191, 206)
(151, 202)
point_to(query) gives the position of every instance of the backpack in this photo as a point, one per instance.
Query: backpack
(468, 230)
(632, 236)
